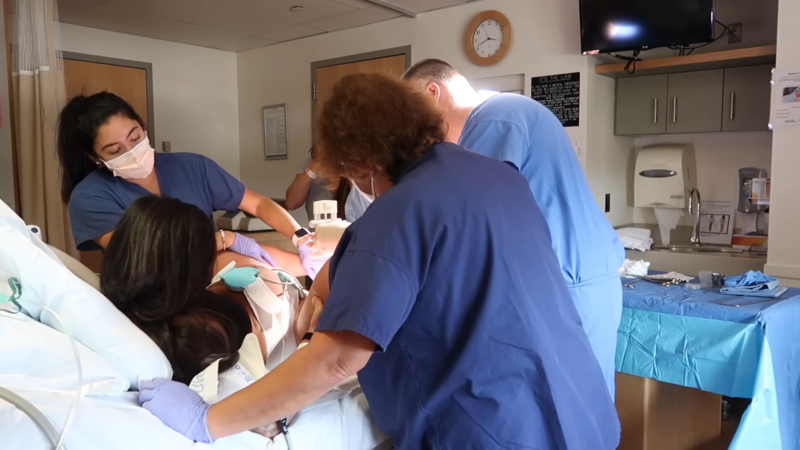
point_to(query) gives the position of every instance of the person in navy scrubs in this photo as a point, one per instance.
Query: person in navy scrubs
(108, 162)
(525, 134)
(459, 326)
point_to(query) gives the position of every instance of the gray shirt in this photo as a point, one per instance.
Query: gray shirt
(319, 189)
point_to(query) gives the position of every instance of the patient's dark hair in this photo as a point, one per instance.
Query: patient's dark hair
(156, 269)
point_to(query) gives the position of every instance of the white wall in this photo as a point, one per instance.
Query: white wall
(195, 90)
(719, 158)
(546, 42)
(784, 244)
(7, 187)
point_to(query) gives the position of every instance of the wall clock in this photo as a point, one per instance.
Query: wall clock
(488, 38)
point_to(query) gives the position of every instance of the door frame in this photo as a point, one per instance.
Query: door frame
(147, 67)
(378, 54)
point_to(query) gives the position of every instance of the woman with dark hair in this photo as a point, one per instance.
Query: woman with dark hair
(156, 270)
(108, 163)
(446, 298)
(150, 275)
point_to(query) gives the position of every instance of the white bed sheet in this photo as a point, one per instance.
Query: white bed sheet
(102, 423)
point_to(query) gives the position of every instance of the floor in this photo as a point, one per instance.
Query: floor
(728, 431)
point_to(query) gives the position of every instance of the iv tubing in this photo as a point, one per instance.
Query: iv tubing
(79, 391)
(32, 412)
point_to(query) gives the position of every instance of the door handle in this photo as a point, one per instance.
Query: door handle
(655, 110)
(674, 109)
(733, 104)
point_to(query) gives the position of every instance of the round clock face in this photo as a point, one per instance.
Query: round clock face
(487, 38)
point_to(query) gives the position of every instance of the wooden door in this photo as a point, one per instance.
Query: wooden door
(87, 78)
(328, 76)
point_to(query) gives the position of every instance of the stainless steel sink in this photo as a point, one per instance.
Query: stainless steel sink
(699, 249)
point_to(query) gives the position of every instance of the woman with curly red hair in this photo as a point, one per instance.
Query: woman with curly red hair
(446, 299)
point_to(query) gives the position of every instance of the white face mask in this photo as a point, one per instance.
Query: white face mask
(134, 164)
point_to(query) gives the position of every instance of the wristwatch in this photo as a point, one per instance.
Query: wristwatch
(311, 174)
(299, 234)
(306, 338)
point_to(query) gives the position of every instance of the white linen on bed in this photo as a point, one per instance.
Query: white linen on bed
(103, 423)
(36, 356)
(91, 318)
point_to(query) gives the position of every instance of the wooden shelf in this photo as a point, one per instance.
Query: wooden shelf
(703, 61)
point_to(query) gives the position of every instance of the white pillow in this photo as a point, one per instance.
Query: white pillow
(35, 356)
(88, 315)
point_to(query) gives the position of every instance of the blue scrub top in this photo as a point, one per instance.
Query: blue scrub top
(99, 201)
(521, 131)
(479, 343)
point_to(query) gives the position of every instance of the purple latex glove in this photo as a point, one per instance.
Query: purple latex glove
(179, 407)
(246, 246)
(312, 264)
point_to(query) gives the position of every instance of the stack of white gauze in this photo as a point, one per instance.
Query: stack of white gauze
(632, 268)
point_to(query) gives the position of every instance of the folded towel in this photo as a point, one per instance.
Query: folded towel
(771, 289)
(751, 278)
(634, 268)
(635, 238)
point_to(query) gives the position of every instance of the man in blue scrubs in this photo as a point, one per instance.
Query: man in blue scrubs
(522, 132)
(460, 328)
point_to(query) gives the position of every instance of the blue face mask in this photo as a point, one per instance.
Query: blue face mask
(368, 197)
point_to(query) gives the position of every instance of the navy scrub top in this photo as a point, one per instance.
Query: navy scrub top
(452, 274)
(99, 201)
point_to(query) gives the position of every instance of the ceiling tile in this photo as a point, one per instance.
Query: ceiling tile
(386, 12)
(348, 20)
(187, 33)
(357, 3)
(312, 9)
(244, 44)
(426, 5)
(241, 22)
(289, 34)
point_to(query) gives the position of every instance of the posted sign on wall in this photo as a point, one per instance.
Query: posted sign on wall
(561, 94)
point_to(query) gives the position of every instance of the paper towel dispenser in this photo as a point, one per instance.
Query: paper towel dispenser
(665, 174)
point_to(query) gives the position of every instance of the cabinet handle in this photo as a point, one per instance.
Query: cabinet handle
(733, 104)
(655, 110)
(674, 109)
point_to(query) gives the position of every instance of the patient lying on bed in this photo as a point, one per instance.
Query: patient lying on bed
(157, 270)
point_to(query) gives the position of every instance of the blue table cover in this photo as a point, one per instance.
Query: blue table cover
(701, 339)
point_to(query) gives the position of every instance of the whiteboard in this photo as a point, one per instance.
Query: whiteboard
(276, 138)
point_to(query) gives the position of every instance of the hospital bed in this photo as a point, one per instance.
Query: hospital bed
(38, 374)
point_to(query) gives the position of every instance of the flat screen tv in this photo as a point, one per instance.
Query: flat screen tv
(619, 25)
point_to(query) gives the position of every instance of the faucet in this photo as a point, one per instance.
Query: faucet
(696, 233)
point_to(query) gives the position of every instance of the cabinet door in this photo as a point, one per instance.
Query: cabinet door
(641, 105)
(695, 102)
(746, 98)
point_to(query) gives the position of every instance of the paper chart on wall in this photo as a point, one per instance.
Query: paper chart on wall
(716, 225)
(785, 99)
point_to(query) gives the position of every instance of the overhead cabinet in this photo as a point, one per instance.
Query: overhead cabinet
(735, 99)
